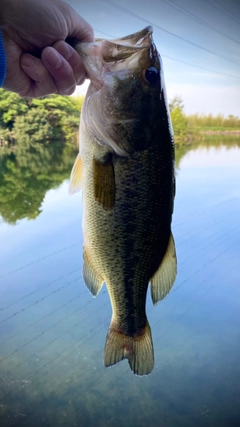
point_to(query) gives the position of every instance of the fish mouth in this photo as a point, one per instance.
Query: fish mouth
(139, 38)
(104, 56)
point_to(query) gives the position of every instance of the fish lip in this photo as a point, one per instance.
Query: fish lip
(123, 48)
(86, 51)
(139, 38)
(132, 39)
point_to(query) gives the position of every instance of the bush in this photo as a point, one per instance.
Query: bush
(33, 127)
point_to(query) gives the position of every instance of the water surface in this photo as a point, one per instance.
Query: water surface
(52, 332)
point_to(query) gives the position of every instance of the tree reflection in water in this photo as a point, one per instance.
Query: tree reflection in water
(27, 172)
(29, 169)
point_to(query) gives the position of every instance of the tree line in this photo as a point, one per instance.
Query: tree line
(190, 127)
(56, 117)
(28, 121)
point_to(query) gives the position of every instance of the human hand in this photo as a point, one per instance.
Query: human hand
(39, 61)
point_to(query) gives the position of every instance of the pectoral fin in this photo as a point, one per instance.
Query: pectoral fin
(76, 176)
(164, 277)
(93, 281)
(104, 183)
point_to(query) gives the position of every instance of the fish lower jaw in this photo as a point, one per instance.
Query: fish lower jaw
(98, 84)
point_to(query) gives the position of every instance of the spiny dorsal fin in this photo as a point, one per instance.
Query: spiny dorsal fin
(76, 176)
(138, 350)
(165, 276)
(104, 183)
(90, 277)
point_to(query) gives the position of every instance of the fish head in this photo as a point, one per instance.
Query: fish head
(126, 103)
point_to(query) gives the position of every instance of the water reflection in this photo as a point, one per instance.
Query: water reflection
(208, 143)
(52, 332)
(27, 172)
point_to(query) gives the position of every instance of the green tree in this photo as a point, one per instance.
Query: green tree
(56, 117)
(33, 127)
(210, 122)
(11, 106)
(179, 120)
(63, 115)
(176, 102)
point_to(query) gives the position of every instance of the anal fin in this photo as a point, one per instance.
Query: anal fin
(93, 281)
(138, 350)
(164, 278)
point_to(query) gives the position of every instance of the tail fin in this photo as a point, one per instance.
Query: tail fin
(138, 350)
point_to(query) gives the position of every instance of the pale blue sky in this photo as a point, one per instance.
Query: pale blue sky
(210, 89)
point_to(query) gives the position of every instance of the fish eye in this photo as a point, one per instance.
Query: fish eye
(152, 75)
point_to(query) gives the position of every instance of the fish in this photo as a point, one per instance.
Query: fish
(126, 170)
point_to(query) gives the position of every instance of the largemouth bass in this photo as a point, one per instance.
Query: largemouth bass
(126, 170)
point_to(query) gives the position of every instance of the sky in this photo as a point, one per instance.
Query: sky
(198, 40)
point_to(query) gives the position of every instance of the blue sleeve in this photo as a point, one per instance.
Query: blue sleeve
(3, 66)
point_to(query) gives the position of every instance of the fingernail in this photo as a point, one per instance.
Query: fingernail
(66, 51)
(53, 58)
(27, 60)
(81, 79)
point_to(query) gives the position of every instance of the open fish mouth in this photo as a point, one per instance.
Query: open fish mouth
(140, 38)
(122, 53)
(117, 70)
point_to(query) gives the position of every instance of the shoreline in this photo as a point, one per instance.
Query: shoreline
(220, 132)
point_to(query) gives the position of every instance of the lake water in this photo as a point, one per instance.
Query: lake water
(52, 332)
